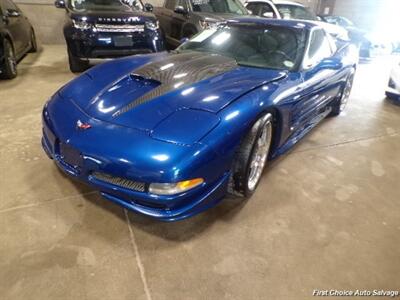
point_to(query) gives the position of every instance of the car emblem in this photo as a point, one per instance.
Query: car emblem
(83, 126)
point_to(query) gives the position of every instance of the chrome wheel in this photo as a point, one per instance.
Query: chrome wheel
(346, 93)
(259, 156)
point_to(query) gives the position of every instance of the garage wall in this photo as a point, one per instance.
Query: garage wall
(370, 14)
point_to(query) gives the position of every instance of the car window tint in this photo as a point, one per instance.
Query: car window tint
(319, 48)
(266, 8)
(254, 7)
(219, 6)
(272, 47)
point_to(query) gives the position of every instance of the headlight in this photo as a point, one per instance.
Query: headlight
(152, 25)
(174, 188)
(81, 25)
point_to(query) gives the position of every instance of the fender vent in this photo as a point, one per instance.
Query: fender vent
(121, 182)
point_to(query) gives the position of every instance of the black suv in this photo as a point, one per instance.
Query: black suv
(183, 18)
(17, 37)
(96, 29)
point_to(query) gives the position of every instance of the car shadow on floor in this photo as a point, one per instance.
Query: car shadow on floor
(226, 211)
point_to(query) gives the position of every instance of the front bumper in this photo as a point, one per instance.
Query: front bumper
(89, 44)
(84, 165)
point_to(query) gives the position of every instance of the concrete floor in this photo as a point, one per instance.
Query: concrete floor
(326, 215)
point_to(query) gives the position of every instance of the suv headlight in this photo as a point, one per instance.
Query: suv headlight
(82, 25)
(174, 188)
(152, 25)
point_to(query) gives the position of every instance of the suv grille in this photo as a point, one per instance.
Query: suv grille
(118, 181)
(119, 28)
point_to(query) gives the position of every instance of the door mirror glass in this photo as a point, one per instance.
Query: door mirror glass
(59, 3)
(148, 7)
(180, 10)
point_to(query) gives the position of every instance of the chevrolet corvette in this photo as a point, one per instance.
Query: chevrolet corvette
(170, 134)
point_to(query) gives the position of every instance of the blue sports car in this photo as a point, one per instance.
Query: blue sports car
(168, 135)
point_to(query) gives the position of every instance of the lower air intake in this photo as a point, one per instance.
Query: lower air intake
(121, 182)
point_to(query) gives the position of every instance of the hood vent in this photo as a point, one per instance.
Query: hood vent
(177, 72)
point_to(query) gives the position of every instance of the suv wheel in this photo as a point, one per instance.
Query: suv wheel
(10, 61)
(76, 65)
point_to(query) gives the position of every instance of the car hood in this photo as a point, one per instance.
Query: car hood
(113, 17)
(151, 88)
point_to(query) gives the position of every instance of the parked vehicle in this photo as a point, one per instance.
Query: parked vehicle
(184, 128)
(180, 19)
(17, 38)
(355, 34)
(370, 44)
(98, 29)
(281, 9)
(393, 89)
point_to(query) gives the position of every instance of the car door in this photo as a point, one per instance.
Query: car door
(322, 78)
(165, 17)
(14, 22)
(179, 17)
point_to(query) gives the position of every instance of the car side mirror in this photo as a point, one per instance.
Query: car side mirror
(268, 14)
(148, 7)
(12, 13)
(180, 10)
(59, 3)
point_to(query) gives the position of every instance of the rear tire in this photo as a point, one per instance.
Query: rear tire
(76, 65)
(9, 69)
(341, 103)
(251, 158)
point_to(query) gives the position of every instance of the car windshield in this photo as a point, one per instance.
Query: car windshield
(289, 11)
(106, 5)
(219, 6)
(252, 45)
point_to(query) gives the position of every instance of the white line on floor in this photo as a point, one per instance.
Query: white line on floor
(137, 255)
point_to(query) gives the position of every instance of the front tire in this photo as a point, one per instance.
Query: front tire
(341, 103)
(10, 61)
(76, 65)
(251, 158)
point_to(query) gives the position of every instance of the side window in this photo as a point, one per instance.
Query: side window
(267, 11)
(319, 48)
(254, 7)
(170, 4)
(182, 3)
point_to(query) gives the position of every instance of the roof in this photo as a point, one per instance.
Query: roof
(287, 2)
(296, 24)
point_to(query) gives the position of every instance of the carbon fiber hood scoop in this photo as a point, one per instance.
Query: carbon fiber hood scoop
(177, 72)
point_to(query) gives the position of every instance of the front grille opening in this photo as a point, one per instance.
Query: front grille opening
(121, 182)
